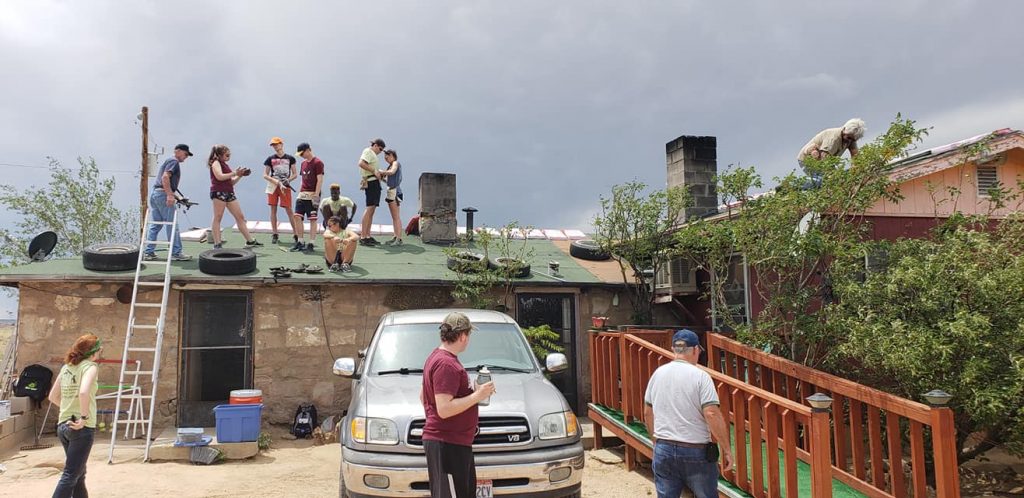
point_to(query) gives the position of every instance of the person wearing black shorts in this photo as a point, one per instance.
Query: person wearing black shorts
(222, 193)
(308, 201)
(371, 185)
(393, 180)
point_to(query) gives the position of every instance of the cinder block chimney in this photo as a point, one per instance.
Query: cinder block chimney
(438, 223)
(693, 162)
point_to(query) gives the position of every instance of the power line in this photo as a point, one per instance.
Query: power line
(120, 171)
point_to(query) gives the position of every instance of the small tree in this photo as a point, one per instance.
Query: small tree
(635, 228)
(543, 341)
(790, 237)
(77, 204)
(943, 314)
(475, 280)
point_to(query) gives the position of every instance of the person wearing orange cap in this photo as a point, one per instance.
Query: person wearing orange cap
(279, 171)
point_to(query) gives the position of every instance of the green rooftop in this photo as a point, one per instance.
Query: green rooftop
(412, 262)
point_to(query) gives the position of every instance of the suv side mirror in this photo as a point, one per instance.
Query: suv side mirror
(556, 362)
(345, 367)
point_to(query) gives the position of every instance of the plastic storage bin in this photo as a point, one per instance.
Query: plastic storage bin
(238, 423)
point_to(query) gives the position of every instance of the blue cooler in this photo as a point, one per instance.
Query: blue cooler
(238, 423)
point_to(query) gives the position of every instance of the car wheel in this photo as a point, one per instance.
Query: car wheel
(466, 262)
(520, 268)
(227, 261)
(110, 257)
(587, 249)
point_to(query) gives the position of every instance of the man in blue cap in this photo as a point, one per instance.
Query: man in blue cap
(682, 413)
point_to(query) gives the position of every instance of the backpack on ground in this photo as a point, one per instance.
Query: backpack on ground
(305, 421)
(34, 382)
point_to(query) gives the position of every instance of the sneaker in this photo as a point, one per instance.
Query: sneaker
(391, 242)
(219, 246)
(298, 246)
(150, 257)
(345, 267)
(335, 268)
(397, 242)
(371, 239)
(274, 239)
(253, 243)
(309, 247)
(181, 257)
(369, 242)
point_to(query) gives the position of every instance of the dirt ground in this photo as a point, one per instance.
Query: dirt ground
(289, 468)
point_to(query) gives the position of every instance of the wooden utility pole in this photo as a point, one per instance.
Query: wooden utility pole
(144, 181)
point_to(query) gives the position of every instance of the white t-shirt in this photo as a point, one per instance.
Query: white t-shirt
(678, 393)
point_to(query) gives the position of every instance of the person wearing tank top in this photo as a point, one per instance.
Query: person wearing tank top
(74, 392)
(222, 194)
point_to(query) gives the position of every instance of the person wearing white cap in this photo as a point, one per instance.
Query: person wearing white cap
(682, 414)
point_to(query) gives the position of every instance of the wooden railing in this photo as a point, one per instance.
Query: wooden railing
(776, 427)
(869, 426)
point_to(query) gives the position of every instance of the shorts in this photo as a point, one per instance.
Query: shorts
(280, 197)
(373, 193)
(394, 196)
(305, 208)
(223, 196)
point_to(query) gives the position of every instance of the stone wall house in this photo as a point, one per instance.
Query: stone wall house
(295, 327)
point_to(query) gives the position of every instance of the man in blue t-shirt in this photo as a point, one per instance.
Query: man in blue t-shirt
(161, 204)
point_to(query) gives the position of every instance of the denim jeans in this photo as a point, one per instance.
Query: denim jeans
(77, 445)
(159, 211)
(677, 466)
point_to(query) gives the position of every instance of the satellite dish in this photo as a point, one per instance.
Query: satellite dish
(41, 246)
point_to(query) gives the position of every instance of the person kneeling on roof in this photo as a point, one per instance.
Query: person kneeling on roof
(339, 245)
(337, 205)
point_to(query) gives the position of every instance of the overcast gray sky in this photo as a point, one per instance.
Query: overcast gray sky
(539, 107)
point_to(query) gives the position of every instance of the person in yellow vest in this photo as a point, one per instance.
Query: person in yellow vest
(75, 392)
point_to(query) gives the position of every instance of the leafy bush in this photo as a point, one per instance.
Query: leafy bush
(543, 341)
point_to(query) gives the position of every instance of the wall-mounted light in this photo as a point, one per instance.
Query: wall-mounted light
(937, 397)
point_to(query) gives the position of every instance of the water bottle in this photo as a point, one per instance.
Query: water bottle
(483, 377)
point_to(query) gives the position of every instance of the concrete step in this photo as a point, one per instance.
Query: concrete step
(163, 448)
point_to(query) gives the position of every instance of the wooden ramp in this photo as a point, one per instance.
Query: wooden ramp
(855, 448)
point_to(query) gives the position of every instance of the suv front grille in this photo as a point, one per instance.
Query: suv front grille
(493, 430)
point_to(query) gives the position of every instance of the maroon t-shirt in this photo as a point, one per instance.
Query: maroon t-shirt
(310, 169)
(221, 185)
(443, 374)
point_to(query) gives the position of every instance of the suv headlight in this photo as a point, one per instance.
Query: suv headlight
(558, 425)
(369, 430)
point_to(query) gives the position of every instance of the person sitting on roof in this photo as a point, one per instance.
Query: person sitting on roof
(831, 142)
(339, 246)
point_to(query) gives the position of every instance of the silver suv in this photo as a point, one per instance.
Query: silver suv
(528, 441)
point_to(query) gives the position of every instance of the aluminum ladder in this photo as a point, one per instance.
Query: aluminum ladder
(151, 333)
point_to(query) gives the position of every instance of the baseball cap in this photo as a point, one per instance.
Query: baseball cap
(276, 140)
(335, 186)
(687, 337)
(183, 148)
(303, 147)
(378, 141)
(458, 321)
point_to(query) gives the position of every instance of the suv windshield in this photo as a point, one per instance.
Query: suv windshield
(407, 346)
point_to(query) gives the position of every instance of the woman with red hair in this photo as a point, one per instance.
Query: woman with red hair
(75, 392)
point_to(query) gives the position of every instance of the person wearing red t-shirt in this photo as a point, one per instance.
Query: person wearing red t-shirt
(312, 172)
(452, 415)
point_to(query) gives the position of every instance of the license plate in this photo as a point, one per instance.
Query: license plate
(485, 489)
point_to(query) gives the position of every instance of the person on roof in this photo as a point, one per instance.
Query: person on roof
(161, 205)
(393, 178)
(312, 172)
(831, 142)
(339, 246)
(222, 193)
(279, 172)
(370, 184)
(337, 205)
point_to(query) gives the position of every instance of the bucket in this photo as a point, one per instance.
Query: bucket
(245, 397)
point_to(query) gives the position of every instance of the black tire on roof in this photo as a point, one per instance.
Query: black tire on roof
(521, 268)
(110, 257)
(466, 262)
(587, 249)
(227, 261)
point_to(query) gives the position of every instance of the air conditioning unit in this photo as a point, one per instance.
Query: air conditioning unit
(676, 277)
